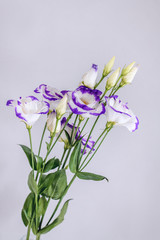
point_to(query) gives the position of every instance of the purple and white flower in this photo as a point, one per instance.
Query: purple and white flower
(68, 128)
(119, 114)
(52, 95)
(29, 109)
(86, 102)
(89, 78)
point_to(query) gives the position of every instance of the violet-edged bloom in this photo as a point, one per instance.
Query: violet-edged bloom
(89, 78)
(119, 114)
(86, 102)
(52, 95)
(68, 128)
(29, 109)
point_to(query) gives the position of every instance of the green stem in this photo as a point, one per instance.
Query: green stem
(38, 237)
(30, 139)
(64, 152)
(89, 136)
(97, 148)
(66, 158)
(99, 82)
(28, 232)
(74, 124)
(93, 147)
(113, 89)
(60, 200)
(42, 139)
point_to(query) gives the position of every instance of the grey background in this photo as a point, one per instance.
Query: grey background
(55, 42)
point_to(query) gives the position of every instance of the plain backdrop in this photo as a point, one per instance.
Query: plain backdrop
(55, 42)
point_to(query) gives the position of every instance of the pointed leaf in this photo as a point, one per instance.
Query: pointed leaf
(57, 221)
(90, 176)
(46, 182)
(32, 183)
(29, 156)
(42, 205)
(51, 164)
(39, 163)
(75, 158)
(28, 209)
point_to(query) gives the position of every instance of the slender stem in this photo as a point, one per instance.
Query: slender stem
(66, 158)
(99, 82)
(89, 136)
(116, 90)
(60, 200)
(64, 152)
(74, 124)
(30, 139)
(97, 148)
(28, 232)
(38, 237)
(42, 139)
(93, 147)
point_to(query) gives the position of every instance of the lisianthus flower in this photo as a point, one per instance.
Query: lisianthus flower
(89, 78)
(85, 101)
(119, 114)
(52, 95)
(68, 128)
(29, 109)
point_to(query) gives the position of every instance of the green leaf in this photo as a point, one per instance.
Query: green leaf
(75, 158)
(32, 183)
(51, 164)
(46, 182)
(29, 156)
(28, 209)
(42, 205)
(68, 137)
(90, 176)
(57, 221)
(39, 163)
(59, 183)
(47, 146)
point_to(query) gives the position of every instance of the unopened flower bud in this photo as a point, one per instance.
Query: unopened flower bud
(89, 78)
(108, 67)
(130, 76)
(62, 107)
(51, 123)
(127, 69)
(111, 81)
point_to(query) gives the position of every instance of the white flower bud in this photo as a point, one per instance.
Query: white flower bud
(108, 67)
(111, 81)
(62, 107)
(51, 123)
(130, 76)
(127, 69)
(89, 78)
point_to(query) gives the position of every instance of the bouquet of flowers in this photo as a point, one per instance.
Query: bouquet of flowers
(67, 115)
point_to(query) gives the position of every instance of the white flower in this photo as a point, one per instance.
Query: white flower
(62, 106)
(108, 67)
(89, 78)
(119, 114)
(51, 123)
(29, 109)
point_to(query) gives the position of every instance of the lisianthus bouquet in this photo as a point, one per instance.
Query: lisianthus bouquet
(67, 114)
